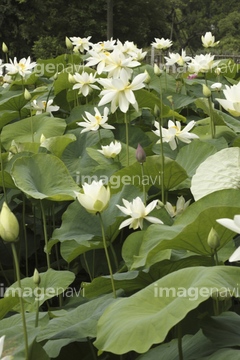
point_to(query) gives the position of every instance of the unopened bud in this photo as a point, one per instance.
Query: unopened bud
(36, 277)
(213, 239)
(156, 111)
(148, 78)
(71, 79)
(157, 70)
(68, 43)
(206, 91)
(9, 227)
(140, 154)
(218, 71)
(4, 48)
(27, 95)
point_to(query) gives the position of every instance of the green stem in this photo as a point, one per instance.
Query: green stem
(31, 124)
(114, 255)
(25, 335)
(162, 160)
(212, 125)
(25, 233)
(180, 350)
(127, 137)
(37, 312)
(2, 172)
(87, 266)
(107, 256)
(143, 184)
(45, 235)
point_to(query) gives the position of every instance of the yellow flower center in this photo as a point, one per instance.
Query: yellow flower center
(98, 118)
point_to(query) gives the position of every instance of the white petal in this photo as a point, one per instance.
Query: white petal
(153, 220)
(229, 224)
(235, 256)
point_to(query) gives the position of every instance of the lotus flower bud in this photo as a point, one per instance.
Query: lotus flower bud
(157, 70)
(140, 154)
(206, 91)
(71, 79)
(27, 95)
(4, 48)
(68, 43)
(9, 227)
(156, 111)
(148, 77)
(36, 277)
(213, 239)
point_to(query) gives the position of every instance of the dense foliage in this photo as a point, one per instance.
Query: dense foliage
(119, 204)
(39, 28)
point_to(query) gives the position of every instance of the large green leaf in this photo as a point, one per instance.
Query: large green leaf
(193, 347)
(77, 324)
(174, 174)
(222, 330)
(44, 176)
(12, 328)
(135, 280)
(80, 231)
(53, 283)
(145, 318)
(42, 124)
(190, 231)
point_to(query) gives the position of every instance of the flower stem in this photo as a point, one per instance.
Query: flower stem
(107, 256)
(180, 350)
(37, 311)
(2, 172)
(45, 235)
(127, 137)
(143, 184)
(162, 159)
(212, 125)
(25, 232)
(25, 335)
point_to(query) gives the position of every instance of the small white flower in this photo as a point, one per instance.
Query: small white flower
(231, 103)
(42, 106)
(137, 212)
(23, 67)
(85, 83)
(119, 92)
(112, 150)
(216, 86)
(95, 196)
(175, 58)
(80, 44)
(202, 63)
(208, 40)
(181, 205)
(174, 133)
(118, 62)
(1, 349)
(161, 44)
(94, 122)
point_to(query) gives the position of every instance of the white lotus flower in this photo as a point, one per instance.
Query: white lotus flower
(216, 86)
(107, 45)
(233, 225)
(138, 213)
(23, 67)
(181, 205)
(85, 83)
(118, 63)
(161, 44)
(174, 133)
(99, 59)
(175, 58)
(95, 196)
(202, 63)
(94, 122)
(112, 150)
(119, 92)
(208, 40)
(1, 349)
(80, 44)
(44, 106)
(232, 101)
